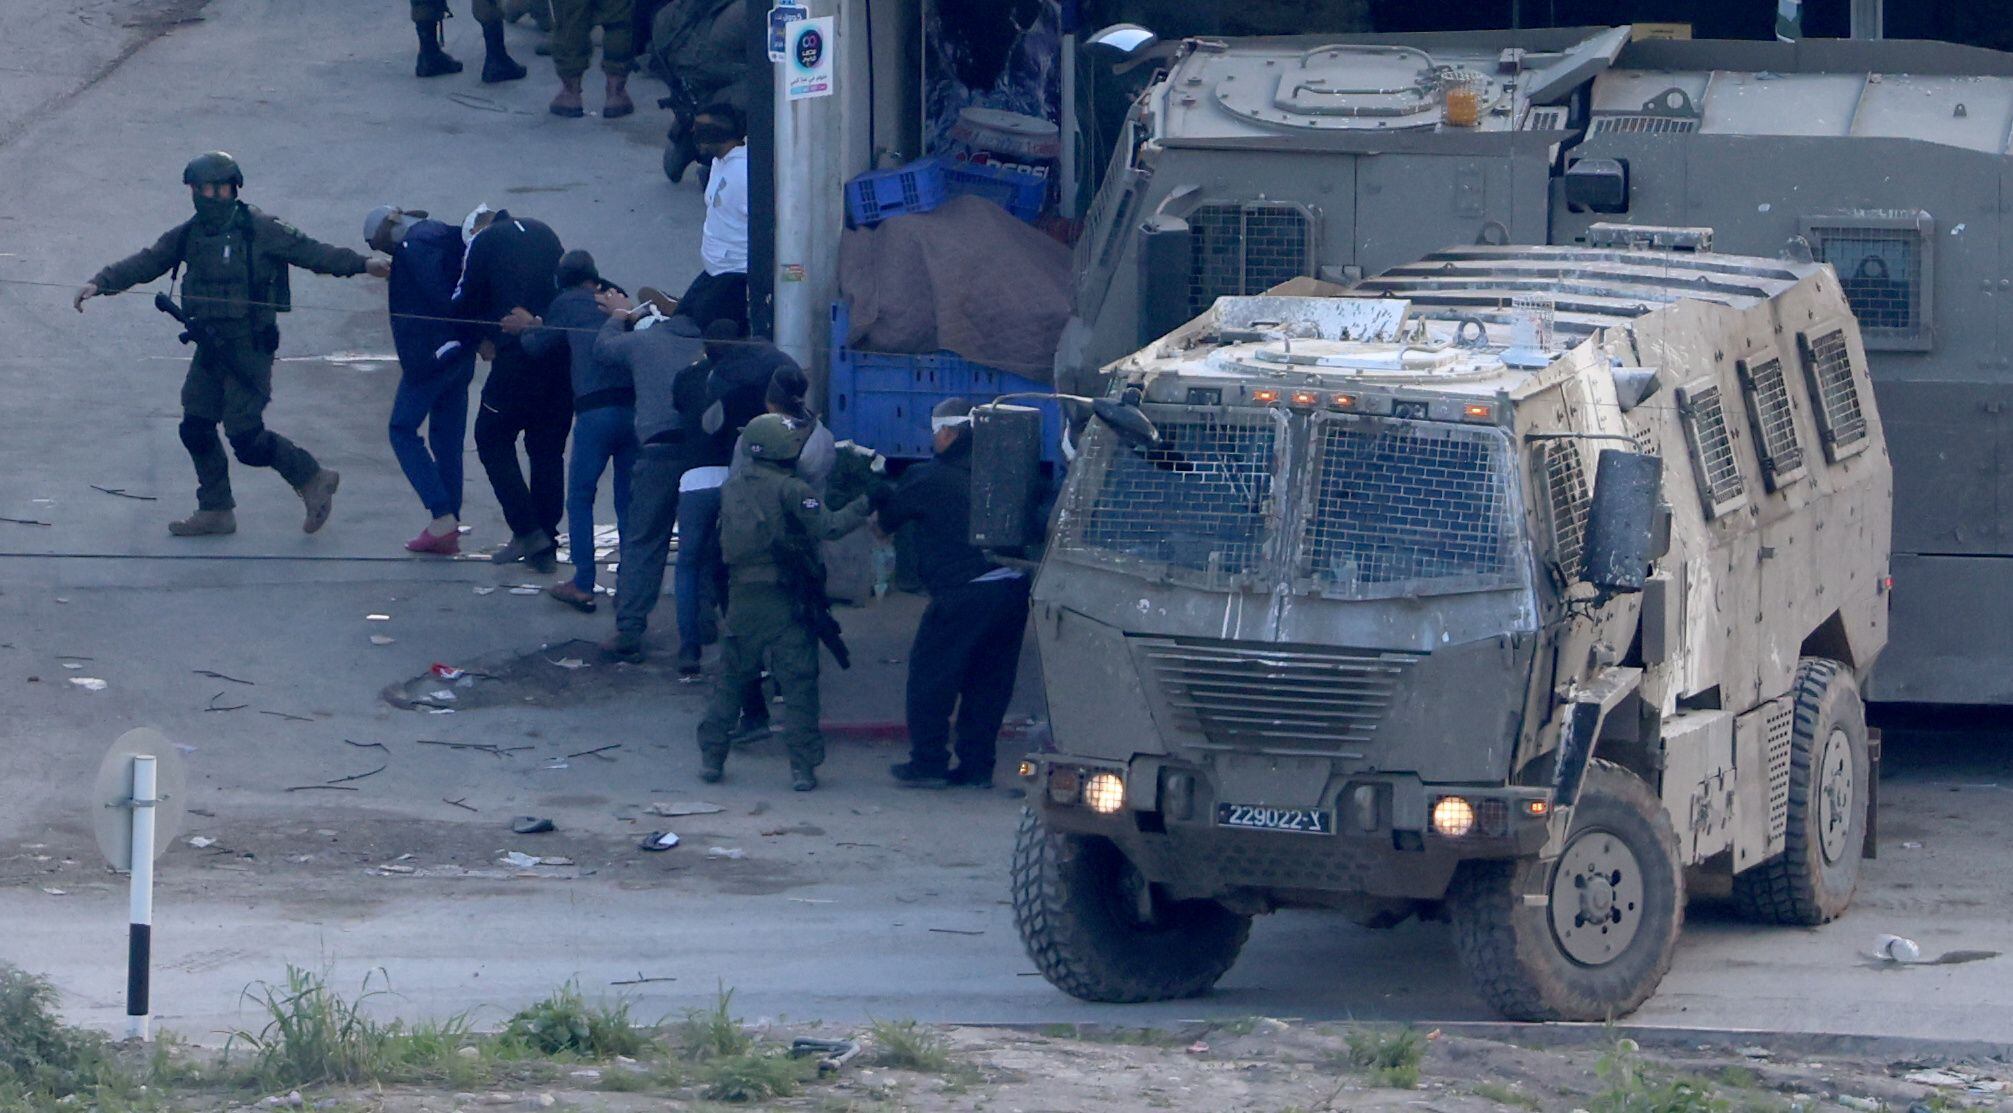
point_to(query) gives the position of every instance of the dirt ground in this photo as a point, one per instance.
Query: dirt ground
(1258, 1064)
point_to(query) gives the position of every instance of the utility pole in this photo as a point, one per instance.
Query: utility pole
(1788, 20)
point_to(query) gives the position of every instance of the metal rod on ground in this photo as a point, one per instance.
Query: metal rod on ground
(140, 929)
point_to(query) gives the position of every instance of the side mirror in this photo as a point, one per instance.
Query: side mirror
(1621, 524)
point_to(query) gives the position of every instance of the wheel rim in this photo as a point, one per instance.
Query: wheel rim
(1596, 898)
(1835, 793)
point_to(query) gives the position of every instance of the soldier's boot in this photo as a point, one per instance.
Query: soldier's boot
(318, 495)
(712, 767)
(803, 778)
(617, 104)
(568, 103)
(433, 61)
(625, 646)
(497, 64)
(205, 523)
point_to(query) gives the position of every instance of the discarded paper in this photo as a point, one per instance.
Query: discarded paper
(88, 683)
(683, 807)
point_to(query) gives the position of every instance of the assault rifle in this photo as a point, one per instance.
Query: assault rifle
(803, 576)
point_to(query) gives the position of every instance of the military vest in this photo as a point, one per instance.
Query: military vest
(225, 280)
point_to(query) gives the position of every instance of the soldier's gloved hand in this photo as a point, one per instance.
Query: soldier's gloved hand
(518, 322)
(378, 265)
(85, 293)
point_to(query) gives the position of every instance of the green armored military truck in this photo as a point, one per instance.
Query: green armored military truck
(1508, 588)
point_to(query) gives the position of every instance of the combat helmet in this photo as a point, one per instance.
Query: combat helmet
(776, 438)
(214, 168)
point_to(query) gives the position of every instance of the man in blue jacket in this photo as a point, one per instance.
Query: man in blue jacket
(436, 358)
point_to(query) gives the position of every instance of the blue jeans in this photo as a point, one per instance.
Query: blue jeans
(599, 436)
(433, 467)
(698, 567)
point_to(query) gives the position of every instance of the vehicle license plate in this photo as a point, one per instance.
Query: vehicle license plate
(1307, 821)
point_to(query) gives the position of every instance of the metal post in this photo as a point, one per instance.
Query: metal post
(140, 929)
(1788, 21)
(1869, 19)
(1066, 169)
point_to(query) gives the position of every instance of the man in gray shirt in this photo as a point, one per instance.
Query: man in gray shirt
(654, 347)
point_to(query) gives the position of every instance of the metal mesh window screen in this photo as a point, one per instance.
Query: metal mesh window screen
(1201, 502)
(1566, 491)
(1779, 732)
(1880, 273)
(1399, 505)
(1238, 250)
(1644, 125)
(1774, 421)
(1828, 364)
(1712, 450)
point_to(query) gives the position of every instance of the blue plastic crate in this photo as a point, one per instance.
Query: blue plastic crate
(879, 194)
(883, 401)
(1018, 192)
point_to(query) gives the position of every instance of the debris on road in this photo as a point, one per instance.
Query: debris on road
(726, 853)
(446, 672)
(377, 618)
(571, 663)
(598, 751)
(531, 825)
(485, 591)
(88, 683)
(1894, 948)
(121, 492)
(658, 840)
(215, 675)
(215, 706)
(202, 842)
(462, 803)
(683, 807)
(381, 639)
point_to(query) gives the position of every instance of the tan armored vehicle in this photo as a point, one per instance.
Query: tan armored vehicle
(1507, 588)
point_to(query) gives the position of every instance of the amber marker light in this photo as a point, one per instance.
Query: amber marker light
(1478, 411)
(1267, 396)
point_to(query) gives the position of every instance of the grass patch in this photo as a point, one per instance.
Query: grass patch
(40, 1056)
(1634, 1089)
(1506, 1095)
(1389, 1056)
(906, 1045)
(754, 1076)
(313, 1034)
(708, 1034)
(564, 1023)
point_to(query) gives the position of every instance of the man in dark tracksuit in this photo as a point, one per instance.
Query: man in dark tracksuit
(511, 263)
(762, 508)
(237, 259)
(436, 358)
(434, 61)
(967, 647)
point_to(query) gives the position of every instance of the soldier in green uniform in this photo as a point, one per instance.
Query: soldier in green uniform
(237, 258)
(762, 506)
(573, 24)
(435, 61)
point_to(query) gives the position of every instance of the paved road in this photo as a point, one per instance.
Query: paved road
(858, 900)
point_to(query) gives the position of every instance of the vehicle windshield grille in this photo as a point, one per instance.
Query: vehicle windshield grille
(1201, 502)
(1399, 507)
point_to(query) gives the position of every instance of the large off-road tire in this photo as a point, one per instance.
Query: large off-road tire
(1813, 879)
(1599, 944)
(1076, 901)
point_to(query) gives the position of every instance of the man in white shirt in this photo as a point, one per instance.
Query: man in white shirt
(721, 290)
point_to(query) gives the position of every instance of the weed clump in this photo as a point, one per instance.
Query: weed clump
(708, 1034)
(906, 1045)
(1390, 1057)
(39, 1054)
(564, 1023)
(1632, 1089)
(754, 1076)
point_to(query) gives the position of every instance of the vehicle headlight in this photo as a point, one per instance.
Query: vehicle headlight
(1104, 793)
(1453, 817)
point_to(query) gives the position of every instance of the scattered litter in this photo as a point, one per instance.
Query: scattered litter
(215, 706)
(1947, 1079)
(462, 803)
(125, 494)
(728, 853)
(441, 694)
(288, 717)
(531, 825)
(556, 764)
(525, 590)
(832, 1054)
(684, 807)
(1198, 1048)
(29, 522)
(447, 672)
(56, 892)
(440, 710)
(1756, 1052)
(658, 840)
(367, 745)
(585, 1074)
(485, 591)
(381, 639)
(62, 599)
(377, 618)
(202, 842)
(809, 900)
(524, 861)
(73, 664)
(360, 776)
(88, 683)
(571, 663)
(598, 751)
(1911, 846)
(390, 867)
(954, 931)
(1894, 948)
(1864, 1105)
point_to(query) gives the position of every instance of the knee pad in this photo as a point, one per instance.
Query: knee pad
(253, 447)
(198, 436)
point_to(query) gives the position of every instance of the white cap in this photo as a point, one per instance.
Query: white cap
(468, 223)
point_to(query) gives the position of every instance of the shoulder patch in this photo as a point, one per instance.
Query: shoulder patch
(811, 504)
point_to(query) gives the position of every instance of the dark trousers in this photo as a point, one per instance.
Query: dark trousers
(229, 383)
(712, 297)
(646, 538)
(965, 656)
(542, 419)
(433, 466)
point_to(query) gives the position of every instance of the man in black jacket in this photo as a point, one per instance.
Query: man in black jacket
(967, 647)
(511, 263)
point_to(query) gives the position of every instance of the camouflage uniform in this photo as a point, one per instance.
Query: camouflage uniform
(433, 11)
(757, 506)
(572, 36)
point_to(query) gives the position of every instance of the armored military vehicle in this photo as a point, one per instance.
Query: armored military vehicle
(1506, 588)
(1256, 160)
